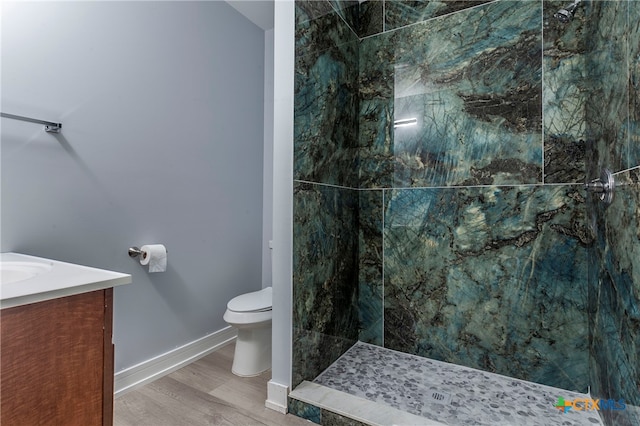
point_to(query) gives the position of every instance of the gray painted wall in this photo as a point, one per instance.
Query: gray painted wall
(162, 142)
(267, 196)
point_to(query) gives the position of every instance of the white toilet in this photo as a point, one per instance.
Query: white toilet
(250, 313)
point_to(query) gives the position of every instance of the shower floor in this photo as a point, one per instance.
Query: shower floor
(447, 393)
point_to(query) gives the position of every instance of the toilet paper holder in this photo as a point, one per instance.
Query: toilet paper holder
(135, 252)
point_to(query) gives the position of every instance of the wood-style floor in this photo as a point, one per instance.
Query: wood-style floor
(204, 392)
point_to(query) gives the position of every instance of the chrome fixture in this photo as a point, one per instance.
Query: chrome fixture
(135, 252)
(603, 186)
(405, 122)
(49, 126)
(565, 15)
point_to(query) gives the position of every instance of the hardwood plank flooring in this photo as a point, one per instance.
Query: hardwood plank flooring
(204, 392)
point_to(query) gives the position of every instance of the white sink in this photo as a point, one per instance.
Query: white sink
(28, 279)
(13, 272)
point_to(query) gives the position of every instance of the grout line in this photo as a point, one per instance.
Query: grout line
(385, 31)
(628, 72)
(383, 262)
(518, 185)
(542, 132)
(625, 171)
(337, 12)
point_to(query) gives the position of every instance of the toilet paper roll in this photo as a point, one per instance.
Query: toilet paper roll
(154, 255)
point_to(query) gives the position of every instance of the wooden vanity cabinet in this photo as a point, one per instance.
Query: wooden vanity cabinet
(56, 361)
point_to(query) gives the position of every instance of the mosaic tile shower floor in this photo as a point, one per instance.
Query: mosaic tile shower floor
(448, 393)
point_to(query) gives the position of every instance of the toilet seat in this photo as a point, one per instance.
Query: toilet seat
(256, 301)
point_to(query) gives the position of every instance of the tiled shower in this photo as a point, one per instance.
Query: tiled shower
(467, 236)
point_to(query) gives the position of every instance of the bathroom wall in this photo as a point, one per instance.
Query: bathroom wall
(476, 241)
(472, 238)
(325, 198)
(614, 290)
(267, 180)
(483, 232)
(162, 141)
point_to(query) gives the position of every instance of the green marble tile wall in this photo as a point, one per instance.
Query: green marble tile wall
(326, 93)
(614, 303)
(319, 415)
(325, 276)
(614, 287)
(565, 90)
(472, 80)
(465, 237)
(325, 260)
(490, 278)
(472, 214)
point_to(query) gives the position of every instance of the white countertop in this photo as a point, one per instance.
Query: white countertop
(58, 279)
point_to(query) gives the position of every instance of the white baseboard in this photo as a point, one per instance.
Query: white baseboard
(277, 397)
(148, 371)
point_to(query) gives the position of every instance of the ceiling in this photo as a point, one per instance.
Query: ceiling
(260, 12)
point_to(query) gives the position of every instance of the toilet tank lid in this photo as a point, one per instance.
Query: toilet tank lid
(251, 302)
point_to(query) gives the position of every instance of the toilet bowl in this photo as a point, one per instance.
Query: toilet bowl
(250, 313)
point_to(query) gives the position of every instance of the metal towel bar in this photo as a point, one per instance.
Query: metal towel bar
(49, 126)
